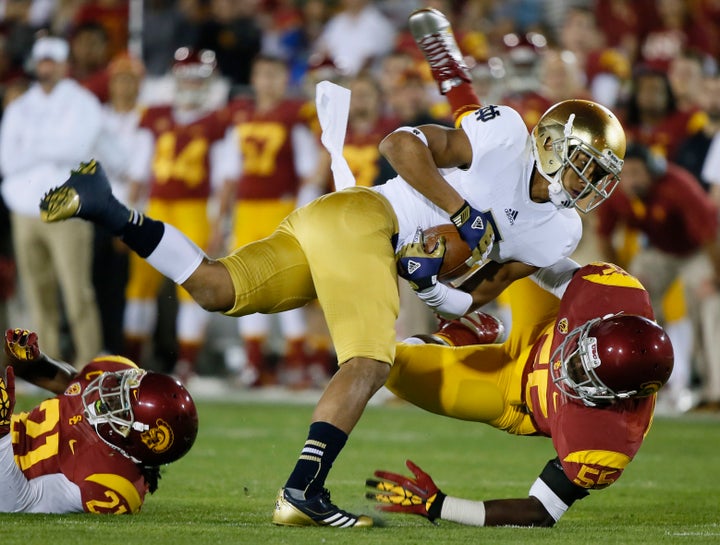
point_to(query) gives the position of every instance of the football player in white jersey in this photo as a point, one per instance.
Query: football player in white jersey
(525, 184)
(527, 187)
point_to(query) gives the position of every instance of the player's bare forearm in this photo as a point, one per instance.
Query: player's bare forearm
(45, 372)
(418, 165)
(21, 350)
(517, 512)
(490, 281)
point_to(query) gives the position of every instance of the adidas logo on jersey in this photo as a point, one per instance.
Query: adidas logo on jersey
(511, 215)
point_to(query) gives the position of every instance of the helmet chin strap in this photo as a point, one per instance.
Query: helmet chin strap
(558, 196)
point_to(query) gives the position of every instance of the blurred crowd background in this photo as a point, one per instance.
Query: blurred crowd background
(202, 113)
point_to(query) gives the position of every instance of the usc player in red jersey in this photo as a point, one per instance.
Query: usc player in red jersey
(582, 365)
(187, 147)
(96, 446)
(367, 126)
(274, 136)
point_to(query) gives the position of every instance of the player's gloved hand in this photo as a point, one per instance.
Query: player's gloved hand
(21, 345)
(419, 267)
(475, 228)
(399, 494)
(7, 401)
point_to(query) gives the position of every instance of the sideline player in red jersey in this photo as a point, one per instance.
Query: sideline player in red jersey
(187, 146)
(274, 136)
(582, 370)
(96, 446)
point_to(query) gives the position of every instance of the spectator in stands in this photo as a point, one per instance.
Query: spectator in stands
(678, 28)
(168, 25)
(700, 152)
(295, 43)
(19, 31)
(234, 33)
(89, 58)
(685, 74)
(652, 117)
(356, 36)
(112, 15)
(604, 70)
(680, 222)
(560, 78)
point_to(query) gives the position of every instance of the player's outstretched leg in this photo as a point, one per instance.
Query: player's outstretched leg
(434, 37)
(474, 328)
(85, 194)
(318, 510)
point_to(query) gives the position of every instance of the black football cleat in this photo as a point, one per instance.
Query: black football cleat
(433, 35)
(85, 194)
(316, 511)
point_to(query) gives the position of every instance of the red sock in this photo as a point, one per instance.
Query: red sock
(188, 352)
(295, 355)
(462, 99)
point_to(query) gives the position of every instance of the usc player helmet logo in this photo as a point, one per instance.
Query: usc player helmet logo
(159, 438)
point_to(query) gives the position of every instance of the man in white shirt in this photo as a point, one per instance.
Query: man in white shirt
(355, 36)
(43, 134)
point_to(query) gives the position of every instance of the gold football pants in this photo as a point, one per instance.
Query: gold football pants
(337, 249)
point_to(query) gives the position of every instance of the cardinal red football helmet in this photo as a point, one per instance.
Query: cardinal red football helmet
(149, 417)
(193, 72)
(610, 358)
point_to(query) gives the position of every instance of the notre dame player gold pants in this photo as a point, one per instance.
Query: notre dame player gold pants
(337, 249)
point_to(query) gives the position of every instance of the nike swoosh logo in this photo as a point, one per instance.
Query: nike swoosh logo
(72, 445)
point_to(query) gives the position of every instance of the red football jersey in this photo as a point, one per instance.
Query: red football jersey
(181, 161)
(665, 137)
(361, 150)
(265, 143)
(677, 216)
(594, 444)
(55, 437)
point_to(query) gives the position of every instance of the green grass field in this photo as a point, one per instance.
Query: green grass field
(223, 491)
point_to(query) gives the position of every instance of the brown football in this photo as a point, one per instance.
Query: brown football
(456, 250)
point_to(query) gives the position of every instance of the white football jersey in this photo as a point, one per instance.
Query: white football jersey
(497, 181)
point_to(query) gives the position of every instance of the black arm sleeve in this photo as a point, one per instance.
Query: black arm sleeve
(554, 476)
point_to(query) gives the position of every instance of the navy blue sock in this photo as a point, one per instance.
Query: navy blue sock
(323, 444)
(142, 234)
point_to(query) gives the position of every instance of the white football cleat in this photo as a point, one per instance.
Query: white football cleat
(433, 35)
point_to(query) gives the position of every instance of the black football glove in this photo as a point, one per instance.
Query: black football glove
(475, 228)
(419, 267)
(399, 494)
